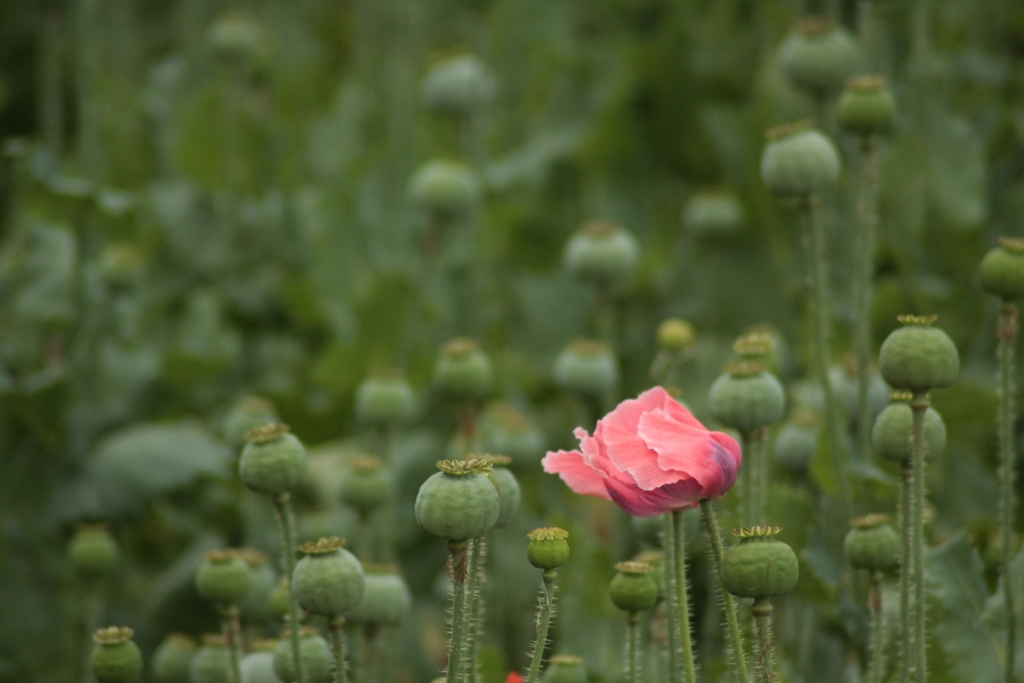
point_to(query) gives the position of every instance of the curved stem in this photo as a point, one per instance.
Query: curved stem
(739, 657)
(633, 647)
(868, 214)
(283, 506)
(762, 611)
(906, 568)
(1007, 334)
(544, 610)
(457, 570)
(337, 628)
(682, 597)
(877, 665)
(233, 639)
(919, 404)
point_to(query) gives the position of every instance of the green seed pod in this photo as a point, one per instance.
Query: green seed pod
(891, 433)
(866, 107)
(676, 335)
(280, 598)
(548, 548)
(329, 580)
(508, 431)
(509, 495)
(458, 85)
(445, 188)
(93, 551)
(367, 484)
(463, 371)
(116, 658)
(173, 658)
(747, 397)
(796, 443)
(236, 38)
(713, 213)
(818, 57)
(565, 669)
(1002, 269)
(386, 601)
(798, 162)
(459, 502)
(250, 412)
(317, 660)
(223, 577)
(212, 661)
(587, 367)
(759, 566)
(633, 589)
(917, 357)
(273, 462)
(602, 253)
(759, 348)
(649, 529)
(258, 667)
(845, 387)
(255, 606)
(872, 544)
(385, 399)
(656, 559)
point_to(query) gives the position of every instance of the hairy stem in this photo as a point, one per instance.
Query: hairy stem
(475, 625)
(633, 647)
(906, 568)
(682, 599)
(283, 505)
(544, 610)
(337, 629)
(919, 404)
(233, 639)
(867, 211)
(738, 660)
(1007, 334)
(762, 611)
(877, 665)
(457, 570)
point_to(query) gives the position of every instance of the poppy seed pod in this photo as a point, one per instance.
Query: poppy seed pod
(329, 580)
(1002, 269)
(866, 107)
(891, 432)
(565, 669)
(248, 413)
(463, 371)
(656, 560)
(317, 660)
(445, 188)
(116, 658)
(459, 502)
(799, 161)
(222, 577)
(273, 462)
(258, 667)
(713, 213)
(385, 399)
(509, 495)
(587, 367)
(601, 253)
(173, 658)
(872, 544)
(796, 443)
(236, 37)
(633, 589)
(280, 597)
(759, 348)
(93, 551)
(760, 566)
(676, 335)
(366, 485)
(918, 357)
(508, 431)
(747, 397)
(255, 606)
(846, 389)
(212, 661)
(386, 601)
(818, 57)
(458, 85)
(548, 548)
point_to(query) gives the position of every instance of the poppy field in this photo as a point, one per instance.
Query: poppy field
(511, 341)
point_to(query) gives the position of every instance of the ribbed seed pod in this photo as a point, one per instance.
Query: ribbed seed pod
(93, 551)
(329, 580)
(548, 547)
(173, 659)
(273, 461)
(222, 577)
(872, 544)
(633, 588)
(602, 253)
(918, 357)
(747, 397)
(587, 367)
(367, 484)
(116, 658)
(799, 161)
(386, 601)
(463, 371)
(760, 566)
(317, 660)
(459, 502)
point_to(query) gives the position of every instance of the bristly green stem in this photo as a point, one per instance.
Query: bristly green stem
(877, 664)
(457, 571)
(233, 639)
(762, 611)
(633, 647)
(748, 496)
(283, 505)
(682, 593)
(544, 612)
(906, 568)
(820, 326)
(337, 629)
(475, 625)
(868, 214)
(739, 657)
(919, 404)
(675, 666)
(1007, 334)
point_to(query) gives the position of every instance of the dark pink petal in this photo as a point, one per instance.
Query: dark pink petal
(686, 492)
(729, 456)
(681, 448)
(577, 474)
(636, 502)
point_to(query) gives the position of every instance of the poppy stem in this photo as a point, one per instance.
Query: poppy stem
(633, 647)
(286, 518)
(232, 638)
(672, 598)
(906, 568)
(457, 570)
(762, 611)
(868, 214)
(877, 665)
(1007, 333)
(545, 608)
(680, 641)
(738, 661)
(474, 595)
(337, 629)
(919, 404)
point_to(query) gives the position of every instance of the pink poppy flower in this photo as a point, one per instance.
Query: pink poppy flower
(650, 455)
(514, 678)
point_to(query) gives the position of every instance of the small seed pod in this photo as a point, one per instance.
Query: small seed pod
(249, 413)
(508, 431)
(223, 577)
(459, 502)
(760, 566)
(329, 580)
(386, 601)
(818, 57)
(602, 253)
(891, 433)
(173, 658)
(93, 551)
(1002, 269)
(713, 213)
(548, 548)
(258, 666)
(799, 162)
(872, 544)
(846, 389)
(796, 443)
(445, 188)
(747, 397)
(116, 658)
(676, 335)
(509, 495)
(280, 598)
(587, 367)
(317, 661)
(273, 462)
(367, 484)
(463, 371)
(565, 669)
(633, 589)
(212, 661)
(918, 357)
(255, 606)
(385, 399)
(656, 559)
(866, 107)
(649, 529)
(458, 85)
(759, 348)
